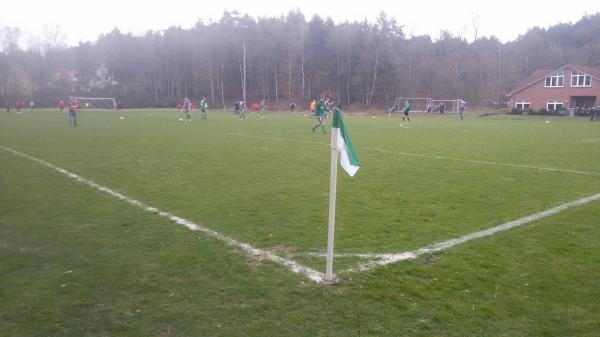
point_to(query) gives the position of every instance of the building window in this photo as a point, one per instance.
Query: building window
(555, 81)
(522, 105)
(554, 105)
(579, 79)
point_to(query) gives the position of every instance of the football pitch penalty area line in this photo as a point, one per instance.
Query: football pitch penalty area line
(251, 251)
(385, 259)
(478, 162)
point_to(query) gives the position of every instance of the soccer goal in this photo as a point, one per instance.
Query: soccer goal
(103, 103)
(417, 104)
(445, 105)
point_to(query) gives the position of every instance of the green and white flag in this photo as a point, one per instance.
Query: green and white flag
(340, 143)
(348, 158)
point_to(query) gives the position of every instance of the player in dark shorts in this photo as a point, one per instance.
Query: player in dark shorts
(187, 108)
(320, 115)
(73, 105)
(236, 108)
(203, 108)
(405, 111)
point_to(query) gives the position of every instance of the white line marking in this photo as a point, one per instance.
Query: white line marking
(341, 255)
(479, 162)
(295, 267)
(385, 259)
(591, 140)
(482, 162)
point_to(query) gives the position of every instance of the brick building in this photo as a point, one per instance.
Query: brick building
(570, 86)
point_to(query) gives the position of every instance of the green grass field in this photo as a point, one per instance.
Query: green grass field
(77, 262)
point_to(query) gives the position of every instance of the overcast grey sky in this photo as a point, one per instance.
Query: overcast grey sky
(84, 20)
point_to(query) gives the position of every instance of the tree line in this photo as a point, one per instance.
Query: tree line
(287, 58)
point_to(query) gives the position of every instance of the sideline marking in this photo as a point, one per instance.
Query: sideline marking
(318, 277)
(385, 259)
(293, 266)
(480, 162)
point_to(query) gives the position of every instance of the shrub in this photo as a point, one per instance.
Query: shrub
(515, 111)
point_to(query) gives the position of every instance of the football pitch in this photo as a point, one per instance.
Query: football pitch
(95, 223)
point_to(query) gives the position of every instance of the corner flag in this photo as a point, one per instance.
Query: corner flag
(340, 142)
(348, 158)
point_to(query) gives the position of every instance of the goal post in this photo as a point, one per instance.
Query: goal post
(104, 103)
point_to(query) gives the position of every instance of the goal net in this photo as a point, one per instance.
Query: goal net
(103, 103)
(416, 103)
(445, 105)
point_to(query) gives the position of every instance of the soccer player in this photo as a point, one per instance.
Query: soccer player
(203, 108)
(293, 108)
(61, 105)
(313, 107)
(7, 106)
(186, 108)
(336, 107)
(236, 108)
(461, 110)
(320, 114)
(263, 108)
(242, 110)
(329, 104)
(73, 104)
(405, 111)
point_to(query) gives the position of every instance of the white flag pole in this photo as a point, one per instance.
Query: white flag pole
(332, 191)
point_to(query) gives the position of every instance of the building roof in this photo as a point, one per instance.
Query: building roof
(536, 76)
(539, 75)
(594, 72)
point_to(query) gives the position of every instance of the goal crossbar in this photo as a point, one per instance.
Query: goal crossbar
(399, 103)
(112, 99)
